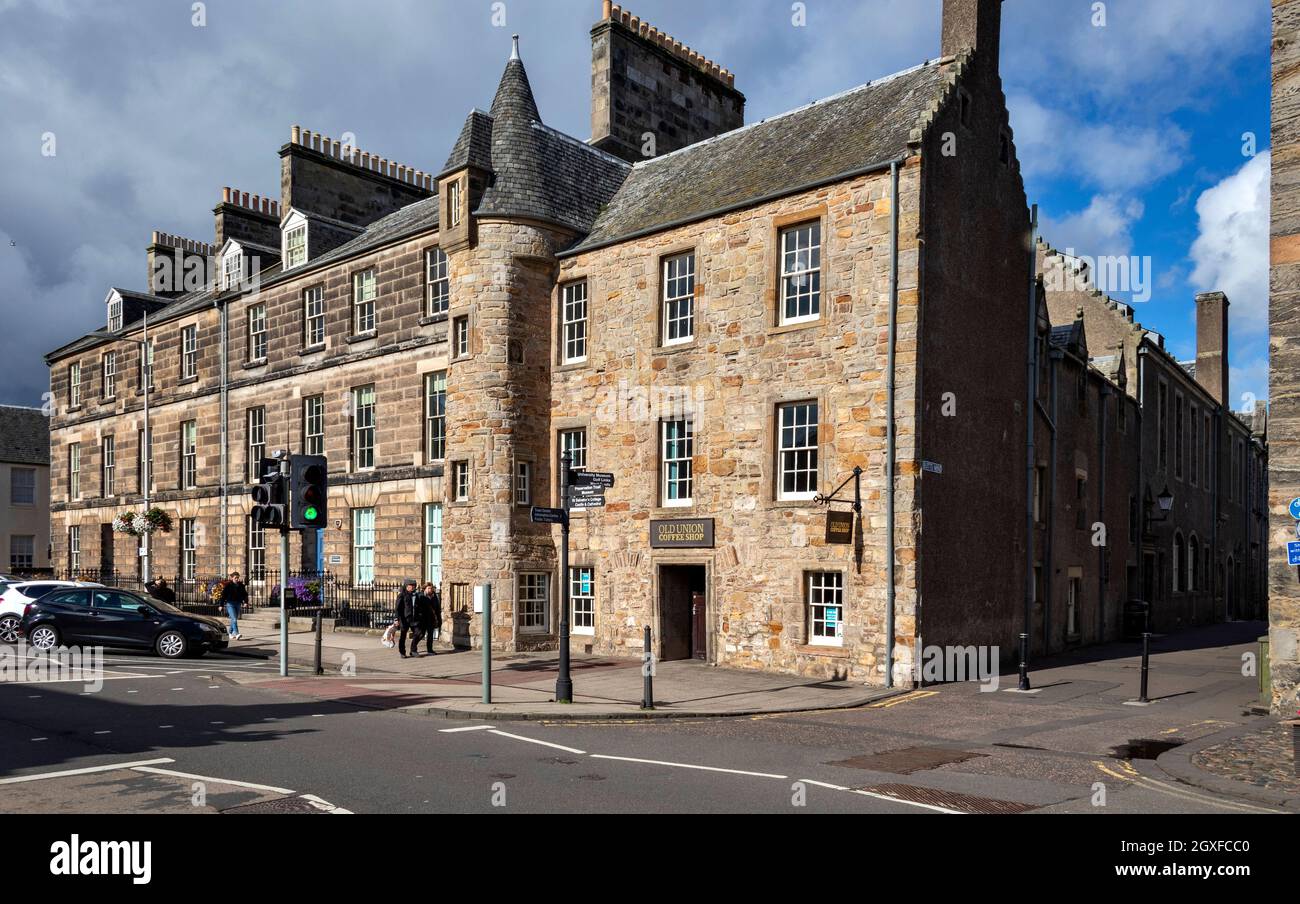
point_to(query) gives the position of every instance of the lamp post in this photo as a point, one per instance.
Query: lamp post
(1165, 502)
(146, 478)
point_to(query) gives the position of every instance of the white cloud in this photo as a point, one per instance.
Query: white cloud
(1249, 382)
(1231, 251)
(1102, 155)
(1103, 228)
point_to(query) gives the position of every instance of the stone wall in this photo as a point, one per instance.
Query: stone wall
(1284, 321)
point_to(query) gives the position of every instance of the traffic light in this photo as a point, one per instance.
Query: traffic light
(270, 496)
(309, 490)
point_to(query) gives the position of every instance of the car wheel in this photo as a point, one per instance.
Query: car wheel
(44, 638)
(9, 629)
(171, 645)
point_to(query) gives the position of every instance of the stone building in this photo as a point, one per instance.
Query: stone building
(729, 319)
(24, 490)
(1284, 363)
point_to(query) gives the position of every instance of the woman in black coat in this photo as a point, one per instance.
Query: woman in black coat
(429, 612)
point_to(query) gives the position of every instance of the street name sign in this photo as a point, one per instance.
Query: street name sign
(1293, 553)
(587, 502)
(585, 479)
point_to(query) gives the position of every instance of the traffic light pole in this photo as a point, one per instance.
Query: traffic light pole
(564, 683)
(284, 585)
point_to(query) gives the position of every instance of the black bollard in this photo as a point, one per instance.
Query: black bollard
(320, 620)
(647, 674)
(1146, 665)
(1024, 662)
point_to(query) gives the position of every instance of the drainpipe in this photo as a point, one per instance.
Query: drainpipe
(890, 429)
(1101, 512)
(1142, 483)
(1049, 560)
(1031, 407)
(225, 451)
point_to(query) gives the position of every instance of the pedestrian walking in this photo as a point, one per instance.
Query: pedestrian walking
(408, 619)
(429, 604)
(160, 591)
(234, 594)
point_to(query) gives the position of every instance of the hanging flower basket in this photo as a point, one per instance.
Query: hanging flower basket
(139, 524)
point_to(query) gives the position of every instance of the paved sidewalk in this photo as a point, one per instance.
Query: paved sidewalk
(449, 685)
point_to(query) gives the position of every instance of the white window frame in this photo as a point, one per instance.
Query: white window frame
(460, 337)
(364, 430)
(437, 276)
(677, 457)
(313, 425)
(256, 554)
(257, 342)
(454, 193)
(189, 352)
(789, 451)
(109, 366)
(524, 483)
(801, 271)
(108, 466)
(678, 302)
(575, 442)
(115, 313)
(365, 290)
(435, 416)
(824, 590)
(189, 549)
(582, 600)
(232, 268)
(74, 548)
(363, 546)
(574, 312)
(313, 317)
(74, 471)
(460, 481)
(433, 522)
(533, 602)
(255, 423)
(74, 386)
(295, 250)
(146, 363)
(190, 455)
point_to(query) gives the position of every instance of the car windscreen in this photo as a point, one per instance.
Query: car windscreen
(36, 591)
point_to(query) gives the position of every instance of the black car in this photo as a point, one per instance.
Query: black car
(104, 617)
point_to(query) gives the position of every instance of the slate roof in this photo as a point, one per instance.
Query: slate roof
(24, 436)
(474, 146)
(851, 132)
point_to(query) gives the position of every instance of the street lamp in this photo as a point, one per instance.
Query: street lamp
(146, 371)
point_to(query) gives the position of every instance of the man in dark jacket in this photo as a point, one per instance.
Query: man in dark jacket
(408, 618)
(429, 606)
(234, 594)
(160, 591)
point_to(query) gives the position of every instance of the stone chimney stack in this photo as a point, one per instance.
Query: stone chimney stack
(1212, 344)
(973, 25)
(177, 265)
(650, 94)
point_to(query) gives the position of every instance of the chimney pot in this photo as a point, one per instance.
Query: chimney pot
(295, 135)
(607, 10)
(225, 195)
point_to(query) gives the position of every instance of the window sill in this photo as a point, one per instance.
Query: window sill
(310, 350)
(795, 327)
(188, 381)
(430, 321)
(829, 652)
(676, 347)
(74, 409)
(674, 511)
(572, 366)
(362, 337)
(255, 365)
(808, 503)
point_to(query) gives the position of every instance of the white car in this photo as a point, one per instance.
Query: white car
(16, 598)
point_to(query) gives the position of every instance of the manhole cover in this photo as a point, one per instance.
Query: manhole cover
(949, 800)
(908, 760)
(1145, 749)
(285, 805)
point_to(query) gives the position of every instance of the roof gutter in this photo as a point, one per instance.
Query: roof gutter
(738, 205)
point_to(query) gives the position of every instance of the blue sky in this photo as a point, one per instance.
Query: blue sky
(1129, 132)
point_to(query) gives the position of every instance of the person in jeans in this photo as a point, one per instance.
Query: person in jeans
(234, 595)
(429, 611)
(408, 618)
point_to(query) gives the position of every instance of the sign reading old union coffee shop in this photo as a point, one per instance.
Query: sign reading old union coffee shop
(695, 533)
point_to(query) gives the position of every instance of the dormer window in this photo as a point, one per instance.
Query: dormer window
(295, 241)
(232, 268)
(114, 313)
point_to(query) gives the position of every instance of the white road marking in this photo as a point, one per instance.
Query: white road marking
(34, 740)
(103, 732)
(910, 803)
(166, 726)
(459, 730)
(88, 771)
(321, 804)
(89, 679)
(214, 781)
(506, 734)
(628, 759)
(808, 781)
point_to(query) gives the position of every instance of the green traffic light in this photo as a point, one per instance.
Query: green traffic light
(311, 513)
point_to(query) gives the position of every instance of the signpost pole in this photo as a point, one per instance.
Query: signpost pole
(487, 643)
(284, 585)
(564, 683)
